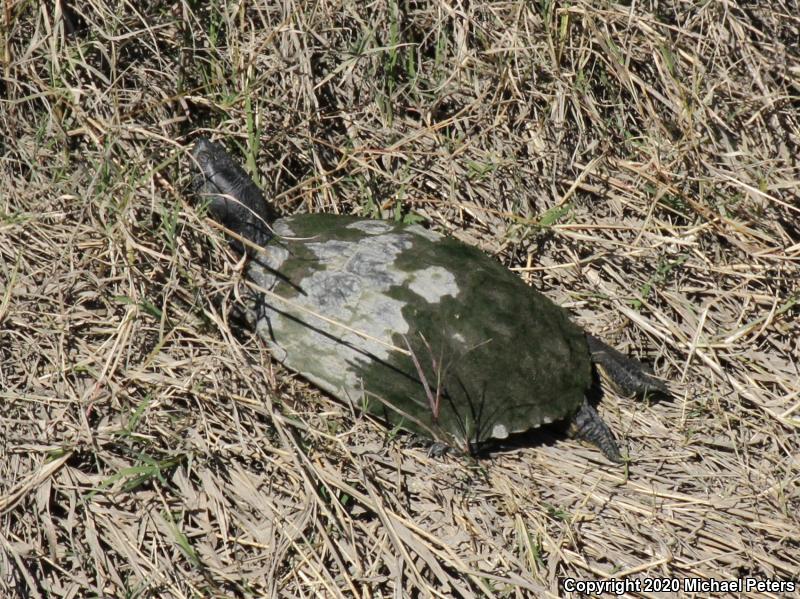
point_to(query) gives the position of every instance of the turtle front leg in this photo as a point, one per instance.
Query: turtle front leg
(587, 425)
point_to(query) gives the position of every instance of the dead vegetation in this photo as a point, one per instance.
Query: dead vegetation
(638, 164)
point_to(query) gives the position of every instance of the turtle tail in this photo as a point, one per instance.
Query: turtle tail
(627, 374)
(588, 426)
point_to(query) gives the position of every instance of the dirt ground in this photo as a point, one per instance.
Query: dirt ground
(636, 163)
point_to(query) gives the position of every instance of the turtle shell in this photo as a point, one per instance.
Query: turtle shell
(416, 328)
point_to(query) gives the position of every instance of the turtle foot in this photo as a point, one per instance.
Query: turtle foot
(438, 450)
(625, 373)
(587, 425)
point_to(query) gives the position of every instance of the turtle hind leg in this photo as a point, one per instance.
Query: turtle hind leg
(587, 425)
(625, 373)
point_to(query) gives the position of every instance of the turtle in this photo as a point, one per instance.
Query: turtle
(425, 332)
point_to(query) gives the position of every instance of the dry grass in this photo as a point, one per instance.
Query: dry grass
(639, 165)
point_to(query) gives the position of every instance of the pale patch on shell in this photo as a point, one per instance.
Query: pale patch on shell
(262, 269)
(371, 227)
(350, 287)
(282, 229)
(423, 232)
(499, 431)
(433, 283)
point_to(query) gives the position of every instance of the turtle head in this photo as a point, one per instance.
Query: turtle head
(234, 200)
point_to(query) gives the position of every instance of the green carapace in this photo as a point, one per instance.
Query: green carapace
(419, 329)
